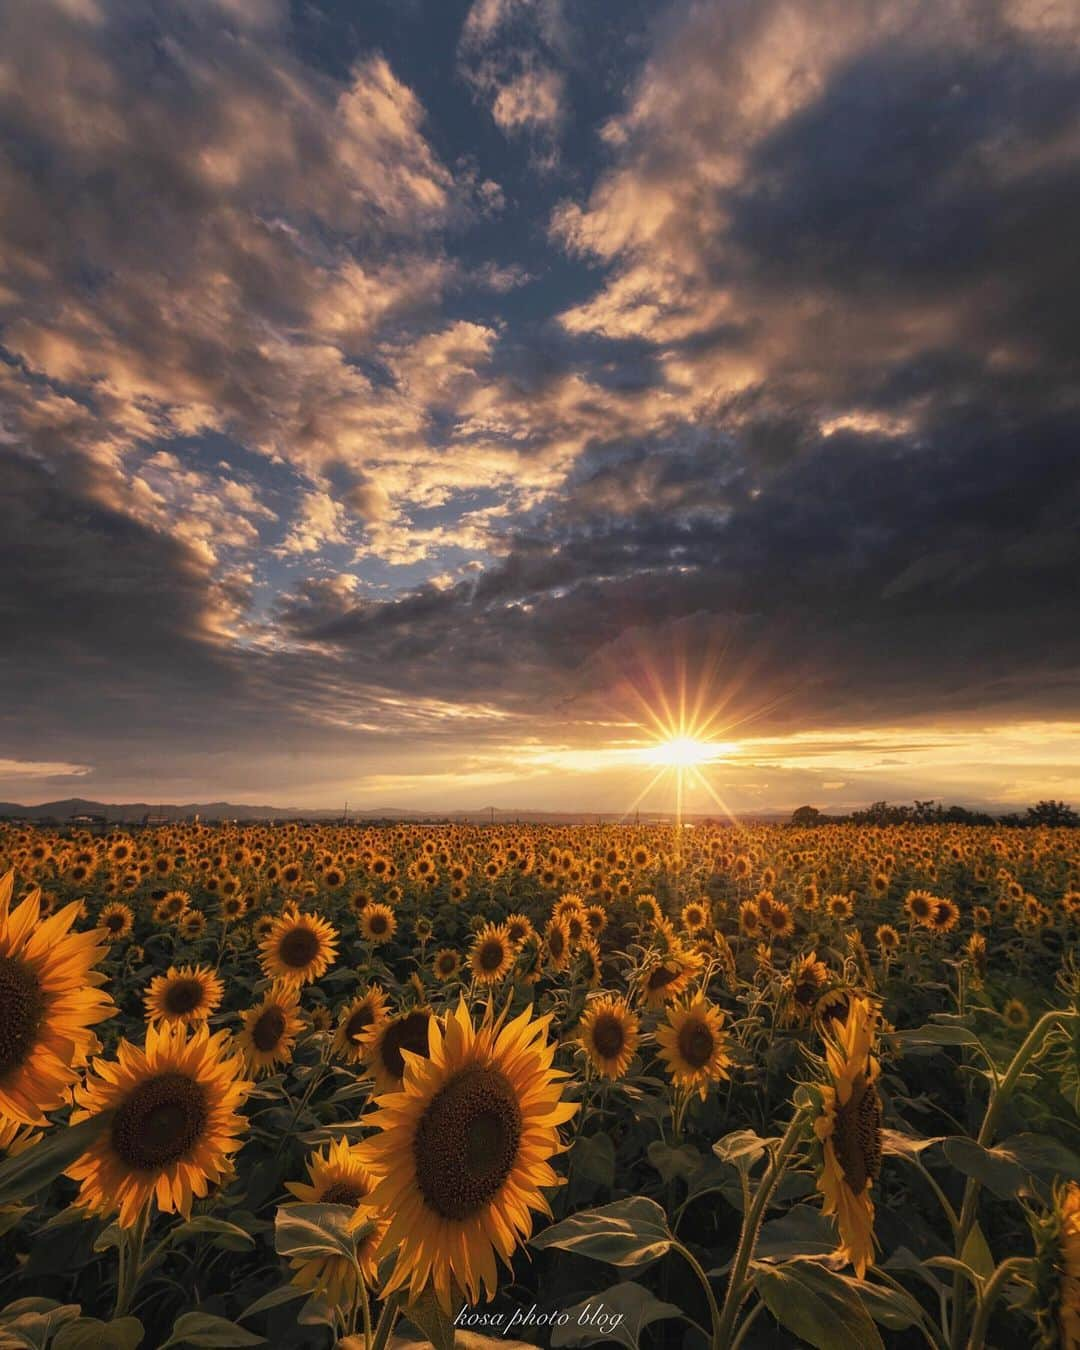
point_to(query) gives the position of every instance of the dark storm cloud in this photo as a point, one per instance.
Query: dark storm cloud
(797, 396)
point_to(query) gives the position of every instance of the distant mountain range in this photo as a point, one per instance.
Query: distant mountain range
(121, 813)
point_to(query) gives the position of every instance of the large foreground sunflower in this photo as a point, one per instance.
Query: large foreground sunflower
(186, 994)
(463, 1152)
(339, 1177)
(175, 1122)
(49, 1000)
(298, 948)
(849, 1127)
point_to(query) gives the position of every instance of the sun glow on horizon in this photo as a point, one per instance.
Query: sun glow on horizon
(682, 752)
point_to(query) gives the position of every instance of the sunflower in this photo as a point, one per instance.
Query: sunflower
(356, 1018)
(1016, 1015)
(693, 1045)
(804, 985)
(384, 1042)
(49, 1000)
(849, 1129)
(557, 944)
(666, 980)
(447, 963)
(338, 1177)
(919, 906)
(185, 994)
(174, 1125)
(463, 1152)
(117, 920)
(609, 1035)
(492, 954)
(838, 907)
(695, 916)
(233, 907)
(944, 918)
(192, 924)
(888, 939)
(1068, 1205)
(590, 962)
(270, 1029)
(378, 923)
(298, 948)
(749, 918)
(519, 929)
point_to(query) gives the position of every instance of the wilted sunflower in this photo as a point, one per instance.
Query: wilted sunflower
(384, 1042)
(849, 1128)
(298, 948)
(187, 994)
(338, 1177)
(492, 954)
(446, 963)
(49, 1000)
(609, 1035)
(117, 920)
(176, 1121)
(693, 1045)
(270, 1029)
(463, 1152)
(357, 1018)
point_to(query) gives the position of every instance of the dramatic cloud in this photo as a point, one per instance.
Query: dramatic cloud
(364, 417)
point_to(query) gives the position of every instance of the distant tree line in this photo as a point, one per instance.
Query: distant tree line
(934, 813)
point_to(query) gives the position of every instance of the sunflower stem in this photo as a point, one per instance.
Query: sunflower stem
(989, 1296)
(131, 1247)
(751, 1227)
(387, 1318)
(696, 1267)
(999, 1097)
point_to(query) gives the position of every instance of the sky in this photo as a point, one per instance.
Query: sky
(430, 404)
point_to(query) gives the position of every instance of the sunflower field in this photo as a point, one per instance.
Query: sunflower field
(700, 1088)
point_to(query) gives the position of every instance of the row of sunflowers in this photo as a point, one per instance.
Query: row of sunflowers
(707, 1088)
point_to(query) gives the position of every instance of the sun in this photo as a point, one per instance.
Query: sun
(683, 752)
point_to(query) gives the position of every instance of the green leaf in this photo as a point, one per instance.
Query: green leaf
(314, 1230)
(428, 1315)
(31, 1321)
(198, 1328)
(11, 1216)
(994, 1168)
(620, 1314)
(235, 1237)
(976, 1253)
(593, 1159)
(673, 1162)
(817, 1306)
(631, 1232)
(110, 1236)
(741, 1148)
(906, 1145)
(934, 1034)
(285, 1293)
(88, 1333)
(802, 1231)
(1042, 1156)
(30, 1172)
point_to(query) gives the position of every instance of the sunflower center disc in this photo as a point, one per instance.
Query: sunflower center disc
(358, 1023)
(267, 1029)
(695, 1043)
(491, 955)
(661, 977)
(22, 1007)
(857, 1136)
(183, 996)
(160, 1122)
(410, 1033)
(343, 1193)
(467, 1142)
(299, 947)
(608, 1036)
